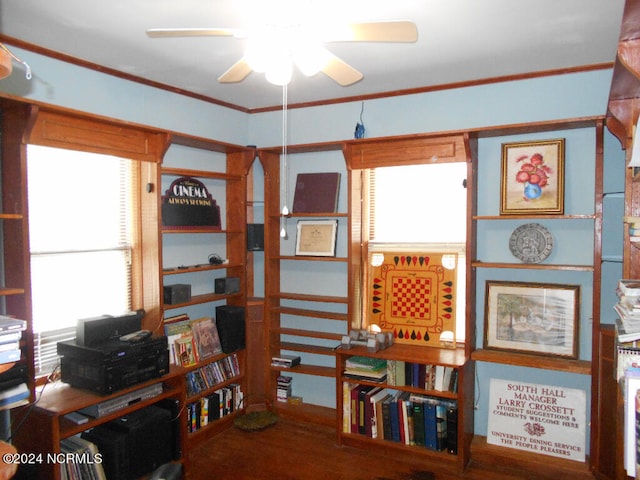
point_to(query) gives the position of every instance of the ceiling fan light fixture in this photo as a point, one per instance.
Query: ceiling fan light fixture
(310, 59)
(280, 70)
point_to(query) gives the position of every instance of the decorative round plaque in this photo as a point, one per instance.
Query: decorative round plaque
(531, 243)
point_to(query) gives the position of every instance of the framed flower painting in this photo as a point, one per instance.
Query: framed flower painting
(532, 178)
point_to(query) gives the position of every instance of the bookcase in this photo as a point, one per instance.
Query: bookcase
(456, 426)
(185, 259)
(301, 319)
(15, 290)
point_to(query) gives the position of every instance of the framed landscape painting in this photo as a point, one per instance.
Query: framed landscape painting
(532, 318)
(532, 178)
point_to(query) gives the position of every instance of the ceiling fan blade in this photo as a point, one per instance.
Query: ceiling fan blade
(191, 32)
(395, 31)
(236, 73)
(341, 71)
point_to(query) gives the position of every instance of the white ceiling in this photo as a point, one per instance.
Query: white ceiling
(458, 40)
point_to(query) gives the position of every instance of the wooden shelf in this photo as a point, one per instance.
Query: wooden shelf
(532, 266)
(5, 291)
(311, 313)
(582, 367)
(451, 357)
(303, 369)
(199, 268)
(310, 298)
(11, 216)
(198, 299)
(307, 258)
(307, 333)
(182, 172)
(535, 217)
(316, 215)
(304, 347)
(190, 230)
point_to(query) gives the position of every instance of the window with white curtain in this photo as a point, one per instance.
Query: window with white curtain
(421, 207)
(80, 231)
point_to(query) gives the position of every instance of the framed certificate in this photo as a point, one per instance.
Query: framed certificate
(316, 238)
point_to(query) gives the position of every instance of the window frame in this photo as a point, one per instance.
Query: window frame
(361, 155)
(145, 148)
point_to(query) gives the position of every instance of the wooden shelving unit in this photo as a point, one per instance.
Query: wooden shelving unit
(58, 399)
(453, 358)
(303, 307)
(233, 235)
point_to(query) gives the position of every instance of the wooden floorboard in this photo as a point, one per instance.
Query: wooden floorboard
(297, 451)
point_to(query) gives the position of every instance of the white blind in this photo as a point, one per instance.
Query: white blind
(421, 208)
(80, 241)
(418, 203)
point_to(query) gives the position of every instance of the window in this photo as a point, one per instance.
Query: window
(80, 228)
(420, 208)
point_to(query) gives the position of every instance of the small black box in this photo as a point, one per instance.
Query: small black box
(231, 327)
(227, 285)
(255, 237)
(96, 330)
(178, 293)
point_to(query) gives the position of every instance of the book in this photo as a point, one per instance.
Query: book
(185, 351)
(631, 388)
(625, 335)
(316, 192)
(9, 356)
(629, 286)
(452, 428)
(206, 337)
(9, 324)
(14, 396)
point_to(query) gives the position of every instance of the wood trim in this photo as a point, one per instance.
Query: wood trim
(66, 131)
(405, 151)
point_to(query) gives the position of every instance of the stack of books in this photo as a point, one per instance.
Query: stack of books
(628, 310)
(284, 389)
(366, 368)
(10, 335)
(285, 361)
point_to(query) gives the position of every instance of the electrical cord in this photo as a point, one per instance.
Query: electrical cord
(29, 407)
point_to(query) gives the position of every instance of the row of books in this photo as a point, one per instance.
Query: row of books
(217, 405)
(191, 341)
(399, 373)
(428, 377)
(82, 460)
(212, 374)
(401, 416)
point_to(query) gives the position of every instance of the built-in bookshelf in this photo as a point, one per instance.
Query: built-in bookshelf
(301, 318)
(197, 257)
(417, 407)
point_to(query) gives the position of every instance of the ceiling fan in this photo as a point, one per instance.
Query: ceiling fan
(274, 49)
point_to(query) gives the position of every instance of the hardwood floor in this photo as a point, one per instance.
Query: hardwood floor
(298, 451)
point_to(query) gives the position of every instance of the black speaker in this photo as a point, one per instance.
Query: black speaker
(96, 330)
(231, 327)
(135, 444)
(255, 237)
